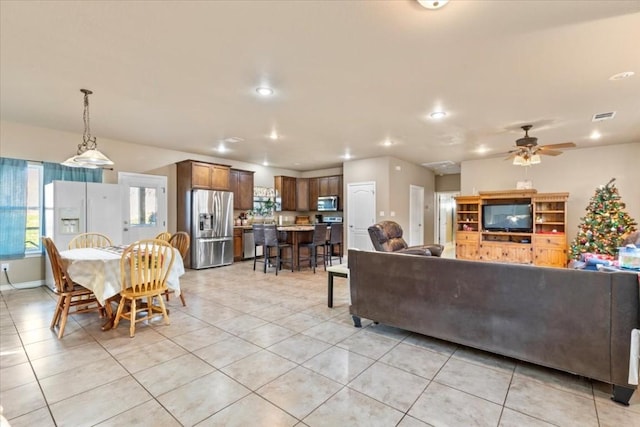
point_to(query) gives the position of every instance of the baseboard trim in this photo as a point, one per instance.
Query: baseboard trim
(22, 285)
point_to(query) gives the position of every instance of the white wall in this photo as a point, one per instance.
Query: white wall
(578, 172)
(393, 178)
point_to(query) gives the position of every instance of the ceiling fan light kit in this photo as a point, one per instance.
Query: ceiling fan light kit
(527, 151)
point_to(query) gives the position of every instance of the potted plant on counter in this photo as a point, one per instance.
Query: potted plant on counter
(265, 210)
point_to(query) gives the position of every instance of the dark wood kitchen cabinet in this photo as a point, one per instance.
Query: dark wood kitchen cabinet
(314, 192)
(202, 175)
(237, 244)
(285, 187)
(302, 194)
(241, 183)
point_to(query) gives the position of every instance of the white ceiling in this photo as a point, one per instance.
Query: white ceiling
(347, 75)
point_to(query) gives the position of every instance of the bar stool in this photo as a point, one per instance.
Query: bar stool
(319, 241)
(258, 241)
(271, 241)
(335, 239)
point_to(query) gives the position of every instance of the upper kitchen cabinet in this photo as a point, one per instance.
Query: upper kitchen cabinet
(314, 192)
(325, 186)
(302, 194)
(208, 176)
(331, 186)
(286, 189)
(241, 184)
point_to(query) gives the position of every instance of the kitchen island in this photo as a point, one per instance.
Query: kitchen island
(293, 234)
(296, 234)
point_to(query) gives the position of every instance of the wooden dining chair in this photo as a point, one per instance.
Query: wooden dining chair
(165, 235)
(72, 297)
(90, 240)
(181, 242)
(144, 268)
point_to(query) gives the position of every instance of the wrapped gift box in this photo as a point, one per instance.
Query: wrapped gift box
(629, 257)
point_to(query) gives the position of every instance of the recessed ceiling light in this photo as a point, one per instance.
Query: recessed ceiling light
(264, 91)
(221, 148)
(432, 4)
(621, 76)
(595, 135)
(436, 115)
(347, 156)
(265, 163)
(387, 143)
(482, 149)
(273, 135)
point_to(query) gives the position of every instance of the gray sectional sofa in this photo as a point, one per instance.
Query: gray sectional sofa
(572, 320)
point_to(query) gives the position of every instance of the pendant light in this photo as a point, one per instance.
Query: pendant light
(88, 155)
(432, 4)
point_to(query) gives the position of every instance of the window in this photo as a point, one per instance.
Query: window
(33, 231)
(143, 206)
(22, 202)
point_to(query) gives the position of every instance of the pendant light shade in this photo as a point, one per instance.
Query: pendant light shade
(433, 4)
(88, 155)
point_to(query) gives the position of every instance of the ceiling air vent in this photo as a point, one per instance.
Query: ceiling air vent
(603, 116)
(436, 166)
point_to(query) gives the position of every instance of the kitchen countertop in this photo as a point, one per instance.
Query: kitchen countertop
(292, 227)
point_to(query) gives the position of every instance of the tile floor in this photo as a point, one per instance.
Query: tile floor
(258, 350)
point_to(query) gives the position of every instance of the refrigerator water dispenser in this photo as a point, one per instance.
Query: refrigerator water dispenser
(69, 219)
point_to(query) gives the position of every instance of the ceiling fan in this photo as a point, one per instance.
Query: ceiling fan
(527, 151)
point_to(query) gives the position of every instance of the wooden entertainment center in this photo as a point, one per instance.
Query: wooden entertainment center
(545, 244)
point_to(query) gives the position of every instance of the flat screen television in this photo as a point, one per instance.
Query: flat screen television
(514, 218)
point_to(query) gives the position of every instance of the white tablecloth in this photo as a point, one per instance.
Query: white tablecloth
(99, 270)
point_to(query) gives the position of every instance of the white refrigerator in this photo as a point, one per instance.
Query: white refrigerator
(72, 208)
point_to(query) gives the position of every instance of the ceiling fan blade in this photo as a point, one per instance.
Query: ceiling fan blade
(561, 145)
(512, 155)
(549, 152)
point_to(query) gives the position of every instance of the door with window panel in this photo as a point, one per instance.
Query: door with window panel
(144, 206)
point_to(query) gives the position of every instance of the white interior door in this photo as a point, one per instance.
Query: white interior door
(144, 203)
(416, 215)
(361, 205)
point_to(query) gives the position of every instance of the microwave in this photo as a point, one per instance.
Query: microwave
(327, 203)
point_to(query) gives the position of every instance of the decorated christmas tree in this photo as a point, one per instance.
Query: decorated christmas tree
(606, 222)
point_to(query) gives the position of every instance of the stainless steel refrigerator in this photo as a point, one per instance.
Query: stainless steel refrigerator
(211, 228)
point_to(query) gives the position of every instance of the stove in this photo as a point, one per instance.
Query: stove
(332, 219)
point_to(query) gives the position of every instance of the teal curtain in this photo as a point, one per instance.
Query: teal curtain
(57, 172)
(13, 207)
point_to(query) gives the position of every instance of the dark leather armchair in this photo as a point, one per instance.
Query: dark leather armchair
(386, 236)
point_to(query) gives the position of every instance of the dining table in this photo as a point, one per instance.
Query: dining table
(98, 269)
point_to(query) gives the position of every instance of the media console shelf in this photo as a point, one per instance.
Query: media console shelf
(545, 244)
